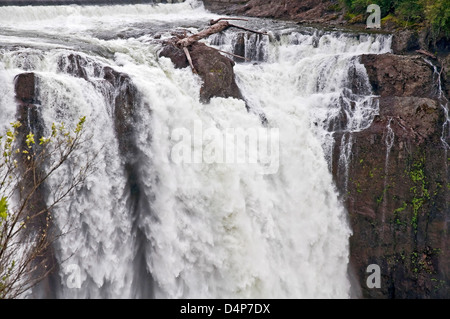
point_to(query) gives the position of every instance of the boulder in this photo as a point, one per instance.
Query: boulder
(215, 69)
(175, 54)
(216, 72)
(24, 85)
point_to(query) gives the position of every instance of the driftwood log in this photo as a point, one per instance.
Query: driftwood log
(427, 53)
(216, 26)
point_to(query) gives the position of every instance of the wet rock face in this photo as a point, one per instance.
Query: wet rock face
(24, 86)
(398, 190)
(126, 98)
(124, 95)
(249, 46)
(446, 74)
(397, 207)
(78, 66)
(417, 117)
(175, 54)
(405, 41)
(396, 75)
(28, 113)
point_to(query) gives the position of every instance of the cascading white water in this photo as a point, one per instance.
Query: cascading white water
(201, 230)
(389, 141)
(444, 103)
(325, 77)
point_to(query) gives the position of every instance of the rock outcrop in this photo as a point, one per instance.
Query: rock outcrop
(445, 62)
(124, 95)
(215, 70)
(396, 75)
(175, 54)
(29, 115)
(398, 186)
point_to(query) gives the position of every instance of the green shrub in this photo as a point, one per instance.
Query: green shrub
(434, 13)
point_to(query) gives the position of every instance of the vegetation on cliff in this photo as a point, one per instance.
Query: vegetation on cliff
(414, 13)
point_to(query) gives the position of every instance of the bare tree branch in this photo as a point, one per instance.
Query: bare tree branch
(26, 234)
(216, 27)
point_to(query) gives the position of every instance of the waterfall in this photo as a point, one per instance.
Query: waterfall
(443, 101)
(389, 140)
(145, 225)
(327, 80)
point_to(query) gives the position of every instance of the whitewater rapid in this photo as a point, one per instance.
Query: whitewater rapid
(195, 229)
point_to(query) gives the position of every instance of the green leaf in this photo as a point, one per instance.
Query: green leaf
(80, 124)
(54, 130)
(43, 140)
(3, 208)
(30, 140)
(16, 124)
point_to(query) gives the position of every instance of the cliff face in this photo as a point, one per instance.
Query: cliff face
(397, 189)
(398, 186)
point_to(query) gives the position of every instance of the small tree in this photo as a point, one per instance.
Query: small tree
(26, 232)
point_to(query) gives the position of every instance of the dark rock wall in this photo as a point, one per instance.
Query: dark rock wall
(398, 186)
(26, 86)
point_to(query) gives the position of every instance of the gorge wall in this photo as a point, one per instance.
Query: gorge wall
(397, 188)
